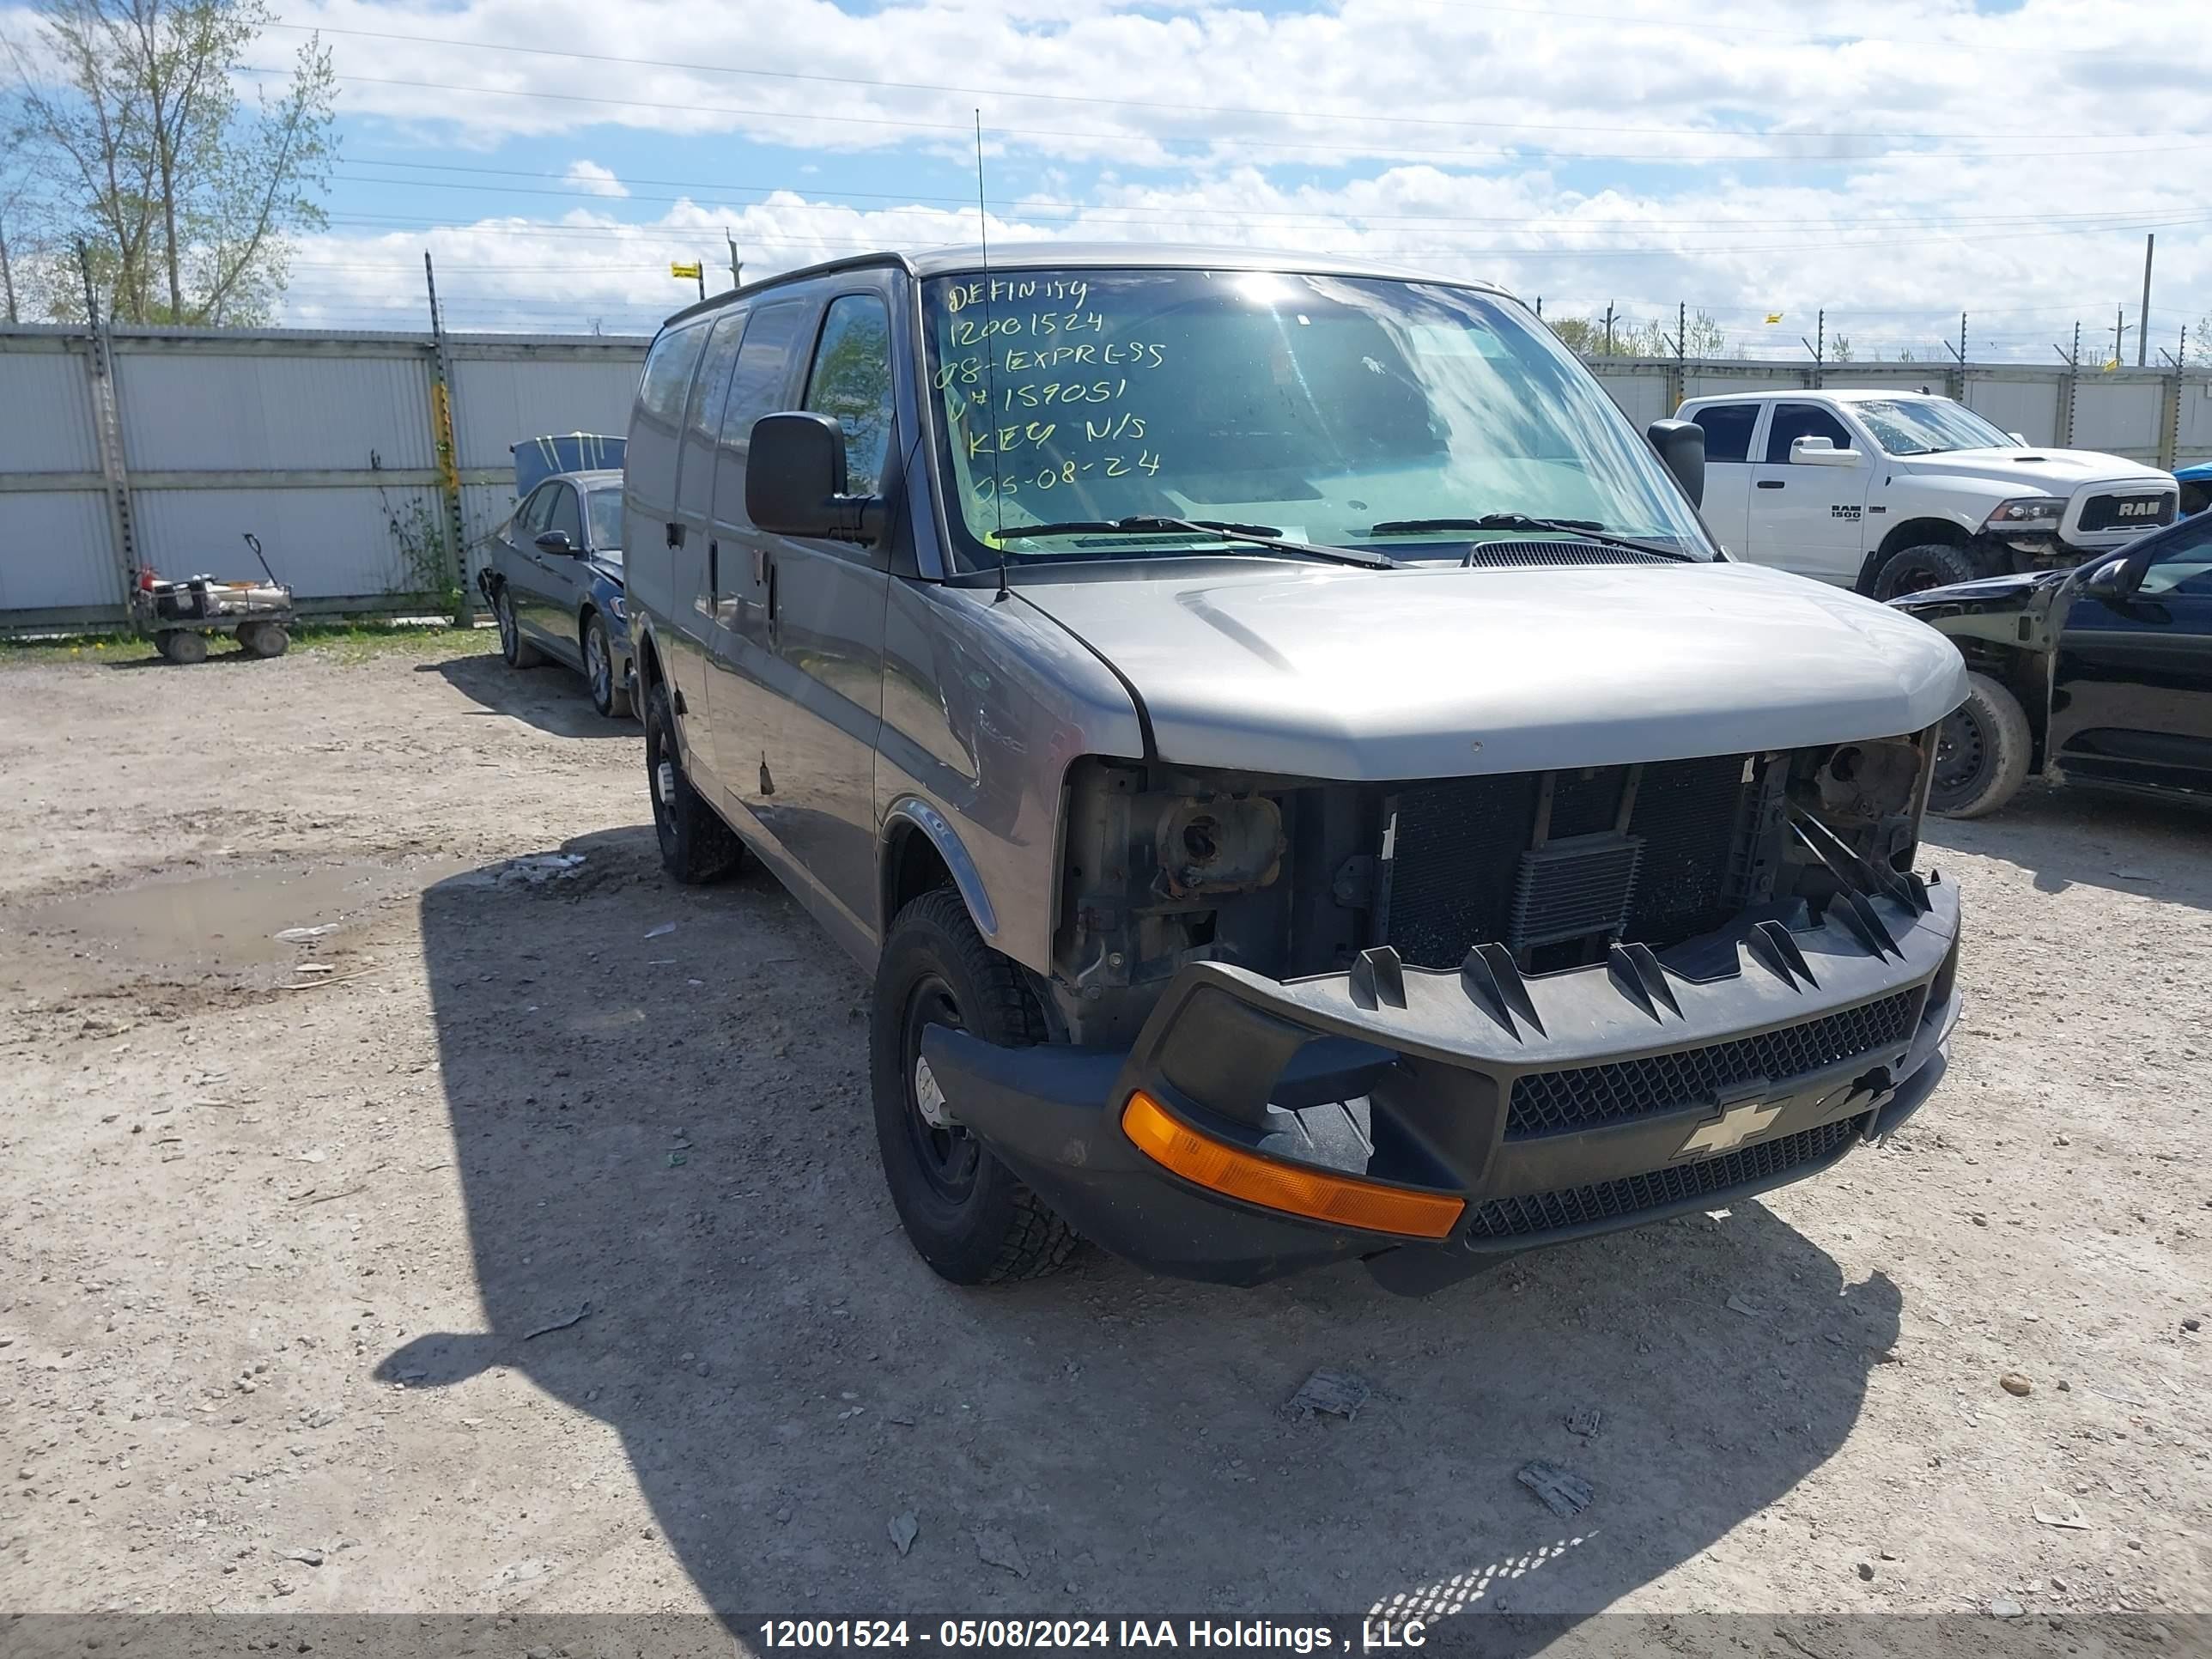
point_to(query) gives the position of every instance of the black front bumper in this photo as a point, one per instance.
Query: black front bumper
(1557, 1107)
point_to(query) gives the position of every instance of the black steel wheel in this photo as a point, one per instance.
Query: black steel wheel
(1982, 751)
(970, 1217)
(695, 845)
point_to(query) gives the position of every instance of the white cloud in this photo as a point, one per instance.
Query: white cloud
(592, 180)
(1741, 160)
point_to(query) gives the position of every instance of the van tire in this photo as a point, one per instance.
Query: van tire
(1982, 751)
(968, 1216)
(695, 846)
(1931, 564)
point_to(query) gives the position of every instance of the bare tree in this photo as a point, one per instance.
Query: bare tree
(183, 197)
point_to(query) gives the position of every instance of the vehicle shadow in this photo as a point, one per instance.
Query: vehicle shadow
(2068, 834)
(552, 697)
(671, 1126)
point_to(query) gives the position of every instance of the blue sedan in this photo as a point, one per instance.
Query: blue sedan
(555, 583)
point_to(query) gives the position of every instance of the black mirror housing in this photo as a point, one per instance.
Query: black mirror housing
(2112, 579)
(555, 541)
(1682, 446)
(795, 481)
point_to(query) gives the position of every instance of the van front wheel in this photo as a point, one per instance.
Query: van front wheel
(969, 1216)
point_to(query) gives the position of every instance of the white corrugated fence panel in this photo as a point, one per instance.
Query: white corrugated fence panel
(498, 402)
(45, 408)
(55, 551)
(190, 407)
(2193, 434)
(2029, 407)
(325, 543)
(2123, 414)
(1641, 392)
(1721, 382)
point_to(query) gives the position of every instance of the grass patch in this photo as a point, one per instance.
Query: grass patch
(337, 640)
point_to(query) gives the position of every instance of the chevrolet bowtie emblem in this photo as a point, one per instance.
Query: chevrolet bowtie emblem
(1735, 1122)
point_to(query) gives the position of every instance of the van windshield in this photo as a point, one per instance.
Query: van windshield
(1346, 411)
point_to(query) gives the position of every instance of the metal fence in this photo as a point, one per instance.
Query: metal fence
(164, 446)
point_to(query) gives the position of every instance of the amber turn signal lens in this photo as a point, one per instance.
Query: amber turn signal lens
(1315, 1194)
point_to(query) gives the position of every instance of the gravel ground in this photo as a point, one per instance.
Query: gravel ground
(502, 1249)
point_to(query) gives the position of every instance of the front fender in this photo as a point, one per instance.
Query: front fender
(929, 822)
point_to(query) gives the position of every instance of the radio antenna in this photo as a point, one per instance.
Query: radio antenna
(990, 346)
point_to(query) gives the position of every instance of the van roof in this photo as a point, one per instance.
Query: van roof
(943, 261)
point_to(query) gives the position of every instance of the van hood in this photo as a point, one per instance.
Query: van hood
(1440, 671)
(2027, 471)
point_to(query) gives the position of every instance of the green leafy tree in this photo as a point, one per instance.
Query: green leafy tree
(182, 196)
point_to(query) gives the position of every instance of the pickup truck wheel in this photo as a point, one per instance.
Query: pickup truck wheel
(970, 1217)
(609, 696)
(1932, 564)
(1981, 752)
(518, 651)
(695, 846)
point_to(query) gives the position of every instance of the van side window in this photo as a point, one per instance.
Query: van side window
(1794, 420)
(759, 387)
(1728, 430)
(851, 379)
(703, 416)
(668, 374)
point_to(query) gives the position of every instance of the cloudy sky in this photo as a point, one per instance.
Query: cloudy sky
(2001, 158)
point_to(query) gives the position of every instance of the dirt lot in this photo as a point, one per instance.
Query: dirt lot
(288, 1258)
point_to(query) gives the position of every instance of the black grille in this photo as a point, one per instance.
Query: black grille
(1526, 554)
(1548, 1103)
(1632, 1195)
(1455, 858)
(2127, 512)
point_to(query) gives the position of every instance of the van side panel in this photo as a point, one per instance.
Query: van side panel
(986, 704)
(649, 473)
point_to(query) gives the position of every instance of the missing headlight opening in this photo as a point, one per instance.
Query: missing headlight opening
(1291, 877)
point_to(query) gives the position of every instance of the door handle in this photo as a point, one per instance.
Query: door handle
(771, 598)
(1770, 483)
(675, 535)
(714, 568)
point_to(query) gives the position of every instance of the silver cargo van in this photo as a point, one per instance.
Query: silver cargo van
(1303, 779)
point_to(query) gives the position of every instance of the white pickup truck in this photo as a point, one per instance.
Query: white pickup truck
(1892, 492)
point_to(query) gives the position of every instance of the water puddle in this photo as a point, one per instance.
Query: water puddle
(231, 920)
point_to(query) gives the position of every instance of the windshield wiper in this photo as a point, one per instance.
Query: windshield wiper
(1255, 535)
(1585, 527)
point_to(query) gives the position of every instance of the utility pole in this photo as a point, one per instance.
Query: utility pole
(737, 265)
(2142, 317)
(2119, 329)
(1608, 328)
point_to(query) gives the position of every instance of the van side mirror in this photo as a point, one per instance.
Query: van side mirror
(795, 481)
(1681, 447)
(1821, 452)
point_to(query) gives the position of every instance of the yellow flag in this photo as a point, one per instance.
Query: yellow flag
(1773, 316)
(690, 270)
(2112, 365)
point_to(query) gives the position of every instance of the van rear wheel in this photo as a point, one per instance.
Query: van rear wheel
(970, 1217)
(695, 846)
